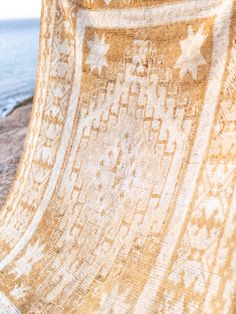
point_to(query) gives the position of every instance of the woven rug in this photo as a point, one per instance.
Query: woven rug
(125, 198)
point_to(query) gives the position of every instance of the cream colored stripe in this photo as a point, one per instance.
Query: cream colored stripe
(6, 307)
(152, 16)
(219, 54)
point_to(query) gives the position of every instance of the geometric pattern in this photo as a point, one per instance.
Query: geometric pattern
(124, 200)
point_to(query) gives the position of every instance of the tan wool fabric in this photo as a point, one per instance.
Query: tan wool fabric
(125, 197)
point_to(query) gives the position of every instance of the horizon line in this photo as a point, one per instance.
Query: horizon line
(19, 18)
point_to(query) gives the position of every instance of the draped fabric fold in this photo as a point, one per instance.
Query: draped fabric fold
(125, 197)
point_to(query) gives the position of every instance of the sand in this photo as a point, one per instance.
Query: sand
(12, 135)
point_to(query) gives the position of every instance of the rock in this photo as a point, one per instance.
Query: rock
(12, 135)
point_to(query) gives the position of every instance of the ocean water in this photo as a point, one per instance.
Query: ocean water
(19, 40)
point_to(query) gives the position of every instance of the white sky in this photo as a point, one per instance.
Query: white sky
(15, 9)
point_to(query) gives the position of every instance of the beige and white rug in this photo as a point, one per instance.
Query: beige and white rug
(125, 198)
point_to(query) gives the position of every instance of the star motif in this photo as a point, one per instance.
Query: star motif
(96, 58)
(191, 56)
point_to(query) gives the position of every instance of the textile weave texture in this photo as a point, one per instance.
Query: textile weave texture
(125, 197)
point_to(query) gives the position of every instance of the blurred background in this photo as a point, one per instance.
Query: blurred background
(19, 43)
(19, 34)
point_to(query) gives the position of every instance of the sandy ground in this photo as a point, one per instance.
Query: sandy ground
(12, 135)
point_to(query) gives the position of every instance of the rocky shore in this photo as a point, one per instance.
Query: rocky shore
(12, 135)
